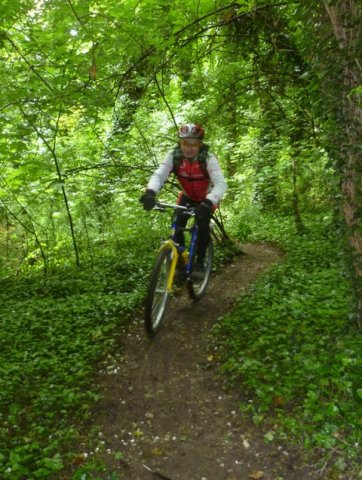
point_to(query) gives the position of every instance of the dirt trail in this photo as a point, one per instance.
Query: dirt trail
(165, 407)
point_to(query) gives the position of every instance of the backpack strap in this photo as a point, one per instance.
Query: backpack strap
(202, 158)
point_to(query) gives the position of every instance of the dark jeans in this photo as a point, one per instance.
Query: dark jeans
(203, 233)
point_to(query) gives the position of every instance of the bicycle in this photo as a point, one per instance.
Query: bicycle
(173, 257)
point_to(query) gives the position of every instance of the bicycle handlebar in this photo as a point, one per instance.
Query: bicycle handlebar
(162, 206)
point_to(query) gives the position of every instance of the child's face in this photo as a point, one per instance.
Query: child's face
(190, 147)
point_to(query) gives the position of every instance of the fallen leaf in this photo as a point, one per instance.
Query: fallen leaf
(246, 444)
(269, 436)
(278, 401)
(158, 452)
(256, 475)
(78, 460)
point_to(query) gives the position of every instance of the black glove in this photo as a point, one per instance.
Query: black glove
(203, 210)
(148, 199)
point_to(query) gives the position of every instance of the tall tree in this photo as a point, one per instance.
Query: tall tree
(345, 18)
(328, 37)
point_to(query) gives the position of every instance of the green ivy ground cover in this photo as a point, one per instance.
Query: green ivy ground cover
(53, 333)
(295, 352)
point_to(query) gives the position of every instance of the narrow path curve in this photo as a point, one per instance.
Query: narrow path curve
(165, 409)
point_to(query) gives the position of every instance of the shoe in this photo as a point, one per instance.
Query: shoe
(198, 272)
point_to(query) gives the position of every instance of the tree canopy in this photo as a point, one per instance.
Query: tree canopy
(92, 94)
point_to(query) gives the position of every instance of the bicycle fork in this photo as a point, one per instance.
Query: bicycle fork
(174, 257)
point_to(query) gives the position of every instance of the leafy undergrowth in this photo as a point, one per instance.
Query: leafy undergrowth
(292, 347)
(54, 331)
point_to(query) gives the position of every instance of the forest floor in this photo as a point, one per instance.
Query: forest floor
(166, 411)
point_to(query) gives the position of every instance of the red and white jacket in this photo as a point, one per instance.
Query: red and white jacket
(193, 181)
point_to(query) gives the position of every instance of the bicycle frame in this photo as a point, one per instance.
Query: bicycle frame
(178, 250)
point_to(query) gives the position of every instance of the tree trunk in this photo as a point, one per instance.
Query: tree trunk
(345, 18)
(295, 139)
(295, 198)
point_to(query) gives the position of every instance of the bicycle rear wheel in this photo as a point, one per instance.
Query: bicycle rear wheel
(197, 286)
(157, 294)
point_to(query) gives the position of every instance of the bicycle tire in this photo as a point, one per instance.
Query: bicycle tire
(157, 293)
(197, 288)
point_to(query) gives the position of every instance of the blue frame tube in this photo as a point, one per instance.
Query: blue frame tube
(192, 246)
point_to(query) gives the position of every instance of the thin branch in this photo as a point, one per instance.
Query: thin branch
(140, 130)
(31, 230)
(200, 19)
(132, 67)
(93, 130)
(80, 21)
(60, 177)
(165, 100)
(31, 67)
(99, 166)
(200, 33)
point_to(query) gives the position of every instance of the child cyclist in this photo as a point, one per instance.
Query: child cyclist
(201, 179)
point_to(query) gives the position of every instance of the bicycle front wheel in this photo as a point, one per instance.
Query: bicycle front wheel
(157, 294)
(197, 286)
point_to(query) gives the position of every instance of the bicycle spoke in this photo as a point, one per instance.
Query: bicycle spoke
(158, 294)
(197, 287)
